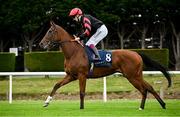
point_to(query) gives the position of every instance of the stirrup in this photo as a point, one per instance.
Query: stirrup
(96, 57)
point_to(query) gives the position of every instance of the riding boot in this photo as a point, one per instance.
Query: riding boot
(96, 53)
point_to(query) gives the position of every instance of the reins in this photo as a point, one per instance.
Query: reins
(65, 41)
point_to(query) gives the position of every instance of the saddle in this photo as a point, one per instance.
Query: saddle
(106, 57)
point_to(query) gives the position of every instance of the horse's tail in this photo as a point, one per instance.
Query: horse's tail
(157, 66)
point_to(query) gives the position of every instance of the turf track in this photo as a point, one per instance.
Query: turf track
(113, 108)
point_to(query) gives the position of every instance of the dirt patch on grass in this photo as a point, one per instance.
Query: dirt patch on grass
(89, 96)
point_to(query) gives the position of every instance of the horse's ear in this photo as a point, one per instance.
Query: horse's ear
(52, 24)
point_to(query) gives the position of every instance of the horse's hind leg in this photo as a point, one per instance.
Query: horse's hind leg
(144, 96)
(66, 80)
(138, 84)
(145, 87)
(154, 93)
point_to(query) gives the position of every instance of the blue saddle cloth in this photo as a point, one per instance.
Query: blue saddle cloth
(106, 57)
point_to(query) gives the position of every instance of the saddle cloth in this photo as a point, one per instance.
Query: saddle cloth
(106, 57)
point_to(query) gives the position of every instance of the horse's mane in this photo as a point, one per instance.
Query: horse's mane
(68, 36)
(64, 31)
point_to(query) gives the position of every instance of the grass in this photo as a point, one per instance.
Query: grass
(113, 108)
(42, 85)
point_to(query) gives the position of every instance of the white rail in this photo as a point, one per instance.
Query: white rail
(11, 74)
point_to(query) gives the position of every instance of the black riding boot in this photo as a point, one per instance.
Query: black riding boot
(96, 53)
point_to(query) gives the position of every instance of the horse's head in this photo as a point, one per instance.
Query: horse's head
(50, 38)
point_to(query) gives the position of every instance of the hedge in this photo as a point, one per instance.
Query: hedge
(7, 62)
(54, 61)
(44, 61)
(159, 55)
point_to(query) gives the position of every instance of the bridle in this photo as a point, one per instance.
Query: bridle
(54, 43)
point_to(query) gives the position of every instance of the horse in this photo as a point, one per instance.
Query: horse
(76, 65)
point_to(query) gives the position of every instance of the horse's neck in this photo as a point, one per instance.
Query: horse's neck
(69, 48)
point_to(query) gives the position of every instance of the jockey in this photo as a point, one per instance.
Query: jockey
(93, 29)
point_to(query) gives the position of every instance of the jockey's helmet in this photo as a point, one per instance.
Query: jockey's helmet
(75, 11)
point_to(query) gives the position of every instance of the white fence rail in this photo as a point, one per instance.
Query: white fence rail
(11, 74)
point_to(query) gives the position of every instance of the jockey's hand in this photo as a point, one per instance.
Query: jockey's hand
(76, 38)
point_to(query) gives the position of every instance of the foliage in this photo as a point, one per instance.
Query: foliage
(44, 61)
(23, 19)
(7, 62)
(26, 16)
(159, 55)
(54, 61)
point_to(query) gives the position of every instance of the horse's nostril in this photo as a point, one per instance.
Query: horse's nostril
(41, 44)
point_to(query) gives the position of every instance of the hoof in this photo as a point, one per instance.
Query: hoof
(45, 104)
(164, 106)
(141, 109)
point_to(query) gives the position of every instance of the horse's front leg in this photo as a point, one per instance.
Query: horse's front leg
(60, 83)
(82, 86)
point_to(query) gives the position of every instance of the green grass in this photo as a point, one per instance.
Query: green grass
(114, 84)
(113, 108)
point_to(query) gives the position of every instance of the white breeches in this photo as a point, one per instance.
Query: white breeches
(98, 36)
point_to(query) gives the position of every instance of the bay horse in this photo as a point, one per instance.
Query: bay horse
(76, 65)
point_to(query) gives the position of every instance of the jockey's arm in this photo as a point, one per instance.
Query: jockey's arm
(87, 29)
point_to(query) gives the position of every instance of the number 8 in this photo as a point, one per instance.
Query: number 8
(108, 57)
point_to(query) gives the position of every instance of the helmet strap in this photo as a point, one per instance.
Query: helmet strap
(79, 18)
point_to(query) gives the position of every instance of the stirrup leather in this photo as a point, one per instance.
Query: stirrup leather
(92, 67)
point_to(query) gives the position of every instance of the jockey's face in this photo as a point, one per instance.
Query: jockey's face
(76, 18)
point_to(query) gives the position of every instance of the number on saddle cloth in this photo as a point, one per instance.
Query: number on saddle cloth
(106, 57)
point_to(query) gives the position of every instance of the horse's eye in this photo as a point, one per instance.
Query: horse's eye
(50, 31)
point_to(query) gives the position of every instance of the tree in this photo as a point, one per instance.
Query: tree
(170, 12)
(162, 33)
(125, 31)
(24, 18)
(27, 20)
(176, 45)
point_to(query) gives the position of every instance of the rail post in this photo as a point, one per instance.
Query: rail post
(10, 89)
(104, 90)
